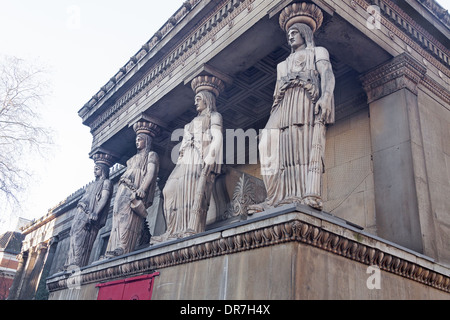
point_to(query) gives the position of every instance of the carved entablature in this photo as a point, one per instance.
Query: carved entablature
(116, 103)
(402, 71)
(206, 30)
(146, 48)
(404, 27)
(441, 13)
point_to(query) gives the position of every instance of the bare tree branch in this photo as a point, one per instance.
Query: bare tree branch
(21, 94)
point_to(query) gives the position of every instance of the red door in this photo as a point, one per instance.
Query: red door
(136, 288)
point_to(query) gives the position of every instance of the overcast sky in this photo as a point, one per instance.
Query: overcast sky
(82, 44)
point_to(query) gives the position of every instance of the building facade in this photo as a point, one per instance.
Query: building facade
(387, 162)
(10, 247)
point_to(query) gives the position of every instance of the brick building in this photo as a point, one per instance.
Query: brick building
(10, 247)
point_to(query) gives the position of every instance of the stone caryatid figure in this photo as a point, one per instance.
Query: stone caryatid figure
(293, 142)
(92, 211)
(188, 189)
(135, 192)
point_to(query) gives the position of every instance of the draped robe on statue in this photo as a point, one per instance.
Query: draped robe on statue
(185, 186)
(127, 224)
(83, 232)
(286, 143)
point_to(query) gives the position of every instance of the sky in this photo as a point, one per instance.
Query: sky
(81, 44)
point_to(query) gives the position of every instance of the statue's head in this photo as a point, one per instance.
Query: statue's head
(103, 161)
(207, 89)
(143, 141)
(145, 132)
(304, 18)
(300, 34)
(101, 171)
(205, 100)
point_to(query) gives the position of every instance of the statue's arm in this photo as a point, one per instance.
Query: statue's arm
(277, 97)
(327, 83)
(217, 140)
(104, 197)
(152, 168)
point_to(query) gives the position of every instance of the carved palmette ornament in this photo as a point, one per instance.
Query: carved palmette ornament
(246, 193)
(306, 13)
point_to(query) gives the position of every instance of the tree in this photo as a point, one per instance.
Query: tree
(22, 89)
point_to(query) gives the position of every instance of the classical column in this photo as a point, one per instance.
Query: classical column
(395, 133)
(33, 272)
(37, 269)
(25, 281)
(14, 290)
(42, 292)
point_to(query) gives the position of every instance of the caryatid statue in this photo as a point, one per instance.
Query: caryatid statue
(135, 192)
(187, 191)
(293, 142)
(91, 214)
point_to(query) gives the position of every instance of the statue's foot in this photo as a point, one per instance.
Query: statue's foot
(188, 232)
(114, 253)
(259, 207)
(69, 267)
(314, 202)
(289, 200)
(166, 236)
(157, 239)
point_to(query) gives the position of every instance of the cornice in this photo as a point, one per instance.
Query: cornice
(337, 241)
(145, 51)
(436, 9)
(400, 72)
(437, 89)
(209, 26)
(411, 33)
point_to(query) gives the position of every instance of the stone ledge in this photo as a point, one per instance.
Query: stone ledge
(285, 224)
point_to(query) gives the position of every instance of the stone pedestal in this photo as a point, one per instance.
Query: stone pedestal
(286, 253)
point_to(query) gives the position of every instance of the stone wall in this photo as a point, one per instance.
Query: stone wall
(348, 179)
(285, 254)
(435, 124)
